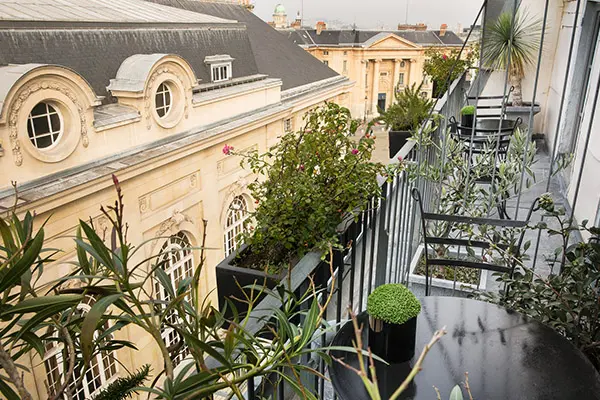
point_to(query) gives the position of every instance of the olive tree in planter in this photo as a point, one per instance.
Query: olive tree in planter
(310, 182)
(460, 189)
(393, 312)
(404, 116)
(513, 44)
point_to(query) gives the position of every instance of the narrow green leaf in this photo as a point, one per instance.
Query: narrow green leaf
(7, 391)
(13, 274)
(34, 341)
(456, 393)
(39, 303)
(90, 324)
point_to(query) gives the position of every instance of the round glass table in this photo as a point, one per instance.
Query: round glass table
(507, 356)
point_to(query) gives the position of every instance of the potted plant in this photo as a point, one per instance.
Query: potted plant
(405, 116)
(467, 115)
(513, 45)
(313, 180)
(393, 311)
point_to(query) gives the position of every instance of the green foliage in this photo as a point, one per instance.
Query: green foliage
(467, 110)
(409, 110)
(125, 387)
(566, 300)
(393, 303)
(444, 68)
(314, 179)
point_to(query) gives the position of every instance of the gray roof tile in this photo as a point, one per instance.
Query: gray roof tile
(274, 54)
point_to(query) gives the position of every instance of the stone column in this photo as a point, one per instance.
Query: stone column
(396, 76)
(362, 88)
(375, 93)
(407, 79)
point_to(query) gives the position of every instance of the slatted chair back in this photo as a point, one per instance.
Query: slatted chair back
(430, 240)
(490, 106)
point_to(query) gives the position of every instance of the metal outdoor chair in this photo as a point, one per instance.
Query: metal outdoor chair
(490, 136)
(490, 106)
(456, 243)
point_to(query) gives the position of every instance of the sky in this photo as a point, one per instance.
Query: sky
(376, 14)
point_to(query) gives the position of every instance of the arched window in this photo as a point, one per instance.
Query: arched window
(177, 260)
(102, 369)
(235, 224)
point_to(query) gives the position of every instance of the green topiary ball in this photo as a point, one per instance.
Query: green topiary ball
(468, 110)
(393, 303)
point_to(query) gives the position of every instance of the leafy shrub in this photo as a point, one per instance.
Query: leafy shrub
(440, 66)
(409, 110)
(314, 179)
(393, 303)
(567, 300)
(468, 110)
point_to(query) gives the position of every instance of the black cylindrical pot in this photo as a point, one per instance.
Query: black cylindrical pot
(467, 121)
(394, 343)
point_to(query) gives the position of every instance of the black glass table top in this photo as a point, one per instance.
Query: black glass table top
(507, 356)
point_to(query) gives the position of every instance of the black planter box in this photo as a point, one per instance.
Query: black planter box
(231, 280)
(394, 343)
(397, 140)
(467, 121)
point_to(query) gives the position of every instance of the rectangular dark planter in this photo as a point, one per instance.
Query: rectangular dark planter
(231, 280)
(397, 140)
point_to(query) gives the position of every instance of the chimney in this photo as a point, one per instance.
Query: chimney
(321, 26)
(443, 29)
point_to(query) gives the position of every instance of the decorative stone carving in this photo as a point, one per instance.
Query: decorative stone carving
(23, 95)
(173, 223)
(144, 206)
(148, 96)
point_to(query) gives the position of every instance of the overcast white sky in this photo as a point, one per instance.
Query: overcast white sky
(378, 13)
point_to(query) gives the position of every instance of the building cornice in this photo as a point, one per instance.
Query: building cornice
(57, 189)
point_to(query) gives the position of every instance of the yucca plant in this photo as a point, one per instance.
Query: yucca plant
(513, 44)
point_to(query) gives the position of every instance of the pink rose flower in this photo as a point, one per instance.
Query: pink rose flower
(355, 151)
(400, 158)
(227, 149)
(444, 57)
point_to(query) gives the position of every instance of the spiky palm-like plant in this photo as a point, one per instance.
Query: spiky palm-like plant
(500, 53)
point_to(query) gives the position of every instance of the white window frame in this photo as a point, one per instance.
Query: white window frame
(345, 67)
(52, 132)
(235, 224)
(401, 79)
(177, 260)
(54, 351)
(325, 52)
(326, 62)
(221, 72)
(288, 125)
(167, 106)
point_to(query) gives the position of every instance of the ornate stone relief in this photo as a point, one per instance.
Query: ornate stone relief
(22, 96)
(148, 97)
(173, 223)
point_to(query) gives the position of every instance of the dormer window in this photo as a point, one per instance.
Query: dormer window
(221, 72)
(221, 69)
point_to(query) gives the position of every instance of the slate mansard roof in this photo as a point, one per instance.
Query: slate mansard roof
(94, 37)
(358, 38)
(274, 54)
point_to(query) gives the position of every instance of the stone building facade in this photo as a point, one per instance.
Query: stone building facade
(377, 61)
(150, 91)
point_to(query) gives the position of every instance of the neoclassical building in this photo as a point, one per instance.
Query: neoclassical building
(377, 61)
(150, 91)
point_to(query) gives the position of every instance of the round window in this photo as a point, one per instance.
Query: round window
(163, 100)
(44, 126)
